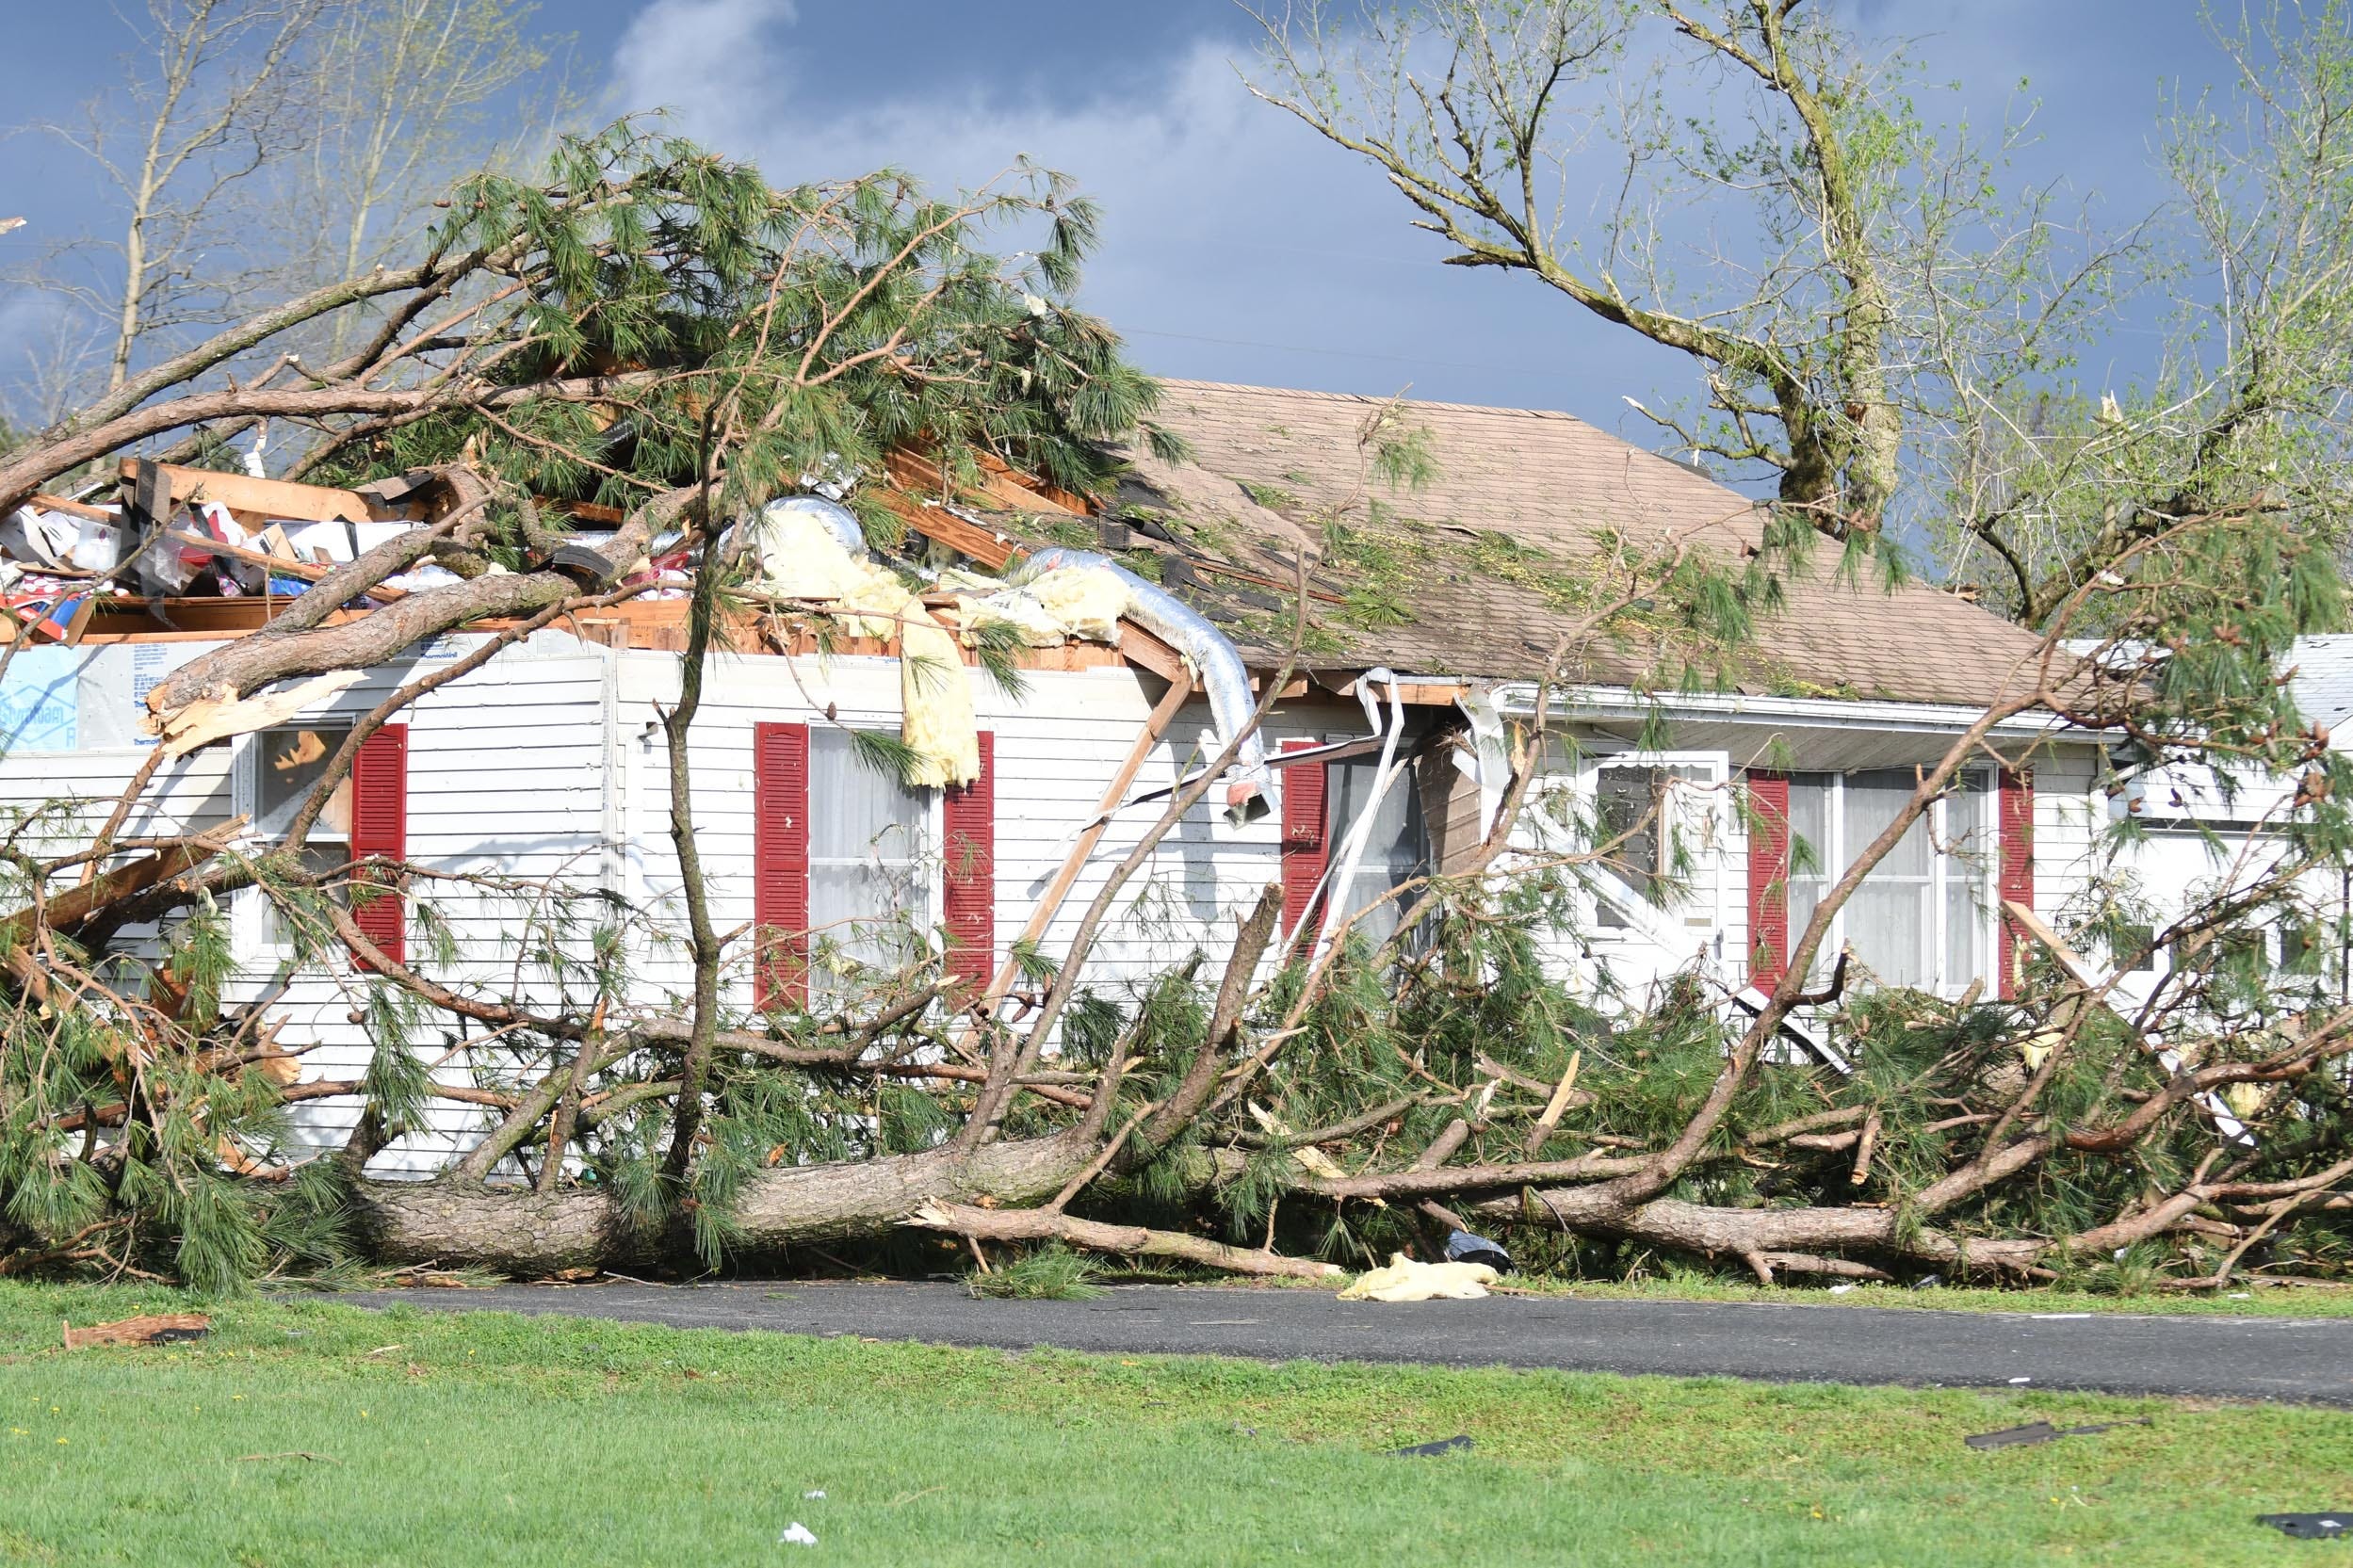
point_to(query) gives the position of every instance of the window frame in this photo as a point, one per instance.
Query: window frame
(252, 914)
(928, 861)
(1833, 859)
(1704, 906)
(1407, 786)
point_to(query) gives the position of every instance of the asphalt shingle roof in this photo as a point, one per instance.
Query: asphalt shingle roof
(1476, 570)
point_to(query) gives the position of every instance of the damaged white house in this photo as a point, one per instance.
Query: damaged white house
(1433, 613)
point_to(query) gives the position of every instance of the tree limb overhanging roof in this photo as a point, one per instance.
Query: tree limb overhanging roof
(1477, 572)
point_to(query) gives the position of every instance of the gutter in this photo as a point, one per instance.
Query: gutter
(1517, 698)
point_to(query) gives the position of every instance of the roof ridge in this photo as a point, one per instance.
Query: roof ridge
(1368, 397)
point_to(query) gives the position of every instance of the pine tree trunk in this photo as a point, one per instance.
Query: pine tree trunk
(517, 1231)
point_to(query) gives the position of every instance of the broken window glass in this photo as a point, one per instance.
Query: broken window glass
(1643, 821)
(288, 762)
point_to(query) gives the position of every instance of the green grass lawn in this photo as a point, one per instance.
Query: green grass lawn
(493, 1439)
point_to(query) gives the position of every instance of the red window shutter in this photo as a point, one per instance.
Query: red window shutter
(1768, 877)
(380, 828)
(2017, 812)
(968, 876)
(780, 865)
(1304, 850)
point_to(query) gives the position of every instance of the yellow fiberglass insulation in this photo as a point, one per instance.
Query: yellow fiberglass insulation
(1086, 599)
(1069, 601)
(935, 702)
(1406, 1279)
(800, 559)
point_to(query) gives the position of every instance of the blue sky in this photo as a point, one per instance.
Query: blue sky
(1238, 245)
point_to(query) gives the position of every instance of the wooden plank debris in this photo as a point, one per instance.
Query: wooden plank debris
(155, 1327)
(2096, 984)
(266, 497)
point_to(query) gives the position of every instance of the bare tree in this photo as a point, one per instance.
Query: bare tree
(410, 95)
(205, 108)
(1885, 321)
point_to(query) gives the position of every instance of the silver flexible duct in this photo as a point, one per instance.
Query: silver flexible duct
(835, 518)
(1223, 673)
(1339, 876)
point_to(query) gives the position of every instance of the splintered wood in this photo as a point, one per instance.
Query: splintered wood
(163, 1328)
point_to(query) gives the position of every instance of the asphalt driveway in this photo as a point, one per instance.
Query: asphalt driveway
(2307, 1360)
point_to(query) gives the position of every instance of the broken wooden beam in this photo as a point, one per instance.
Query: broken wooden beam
(155, 1327)
(75, 905)
(265, 497)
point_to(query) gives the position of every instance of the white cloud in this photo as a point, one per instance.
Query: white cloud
(1224, 219)
(718, 63)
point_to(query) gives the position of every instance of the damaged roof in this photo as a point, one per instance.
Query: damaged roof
(1479, 569)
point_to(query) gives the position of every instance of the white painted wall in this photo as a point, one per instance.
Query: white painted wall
(1057, 752)
(539, 771)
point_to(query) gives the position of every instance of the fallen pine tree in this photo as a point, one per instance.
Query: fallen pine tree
(1242, 1112)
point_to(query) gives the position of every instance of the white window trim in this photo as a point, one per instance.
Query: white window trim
(1684, 916)
(930, 858)
(252, 932)
(1832, 860)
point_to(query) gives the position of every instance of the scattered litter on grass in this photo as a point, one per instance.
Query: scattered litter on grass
(812, 1497)
(382, 1351)
(796, 1534)
(165, 1328)
(2240, 1296)
(1841, 1290)
(2043, 1432)
(1443, 1446)
(2012, 1438)
(1409, 1280)
(2310, 1527)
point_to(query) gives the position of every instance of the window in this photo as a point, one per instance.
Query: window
(870, 891)
(1924, 918)
(287, 763)
(1397, 851)
(1646, 814)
